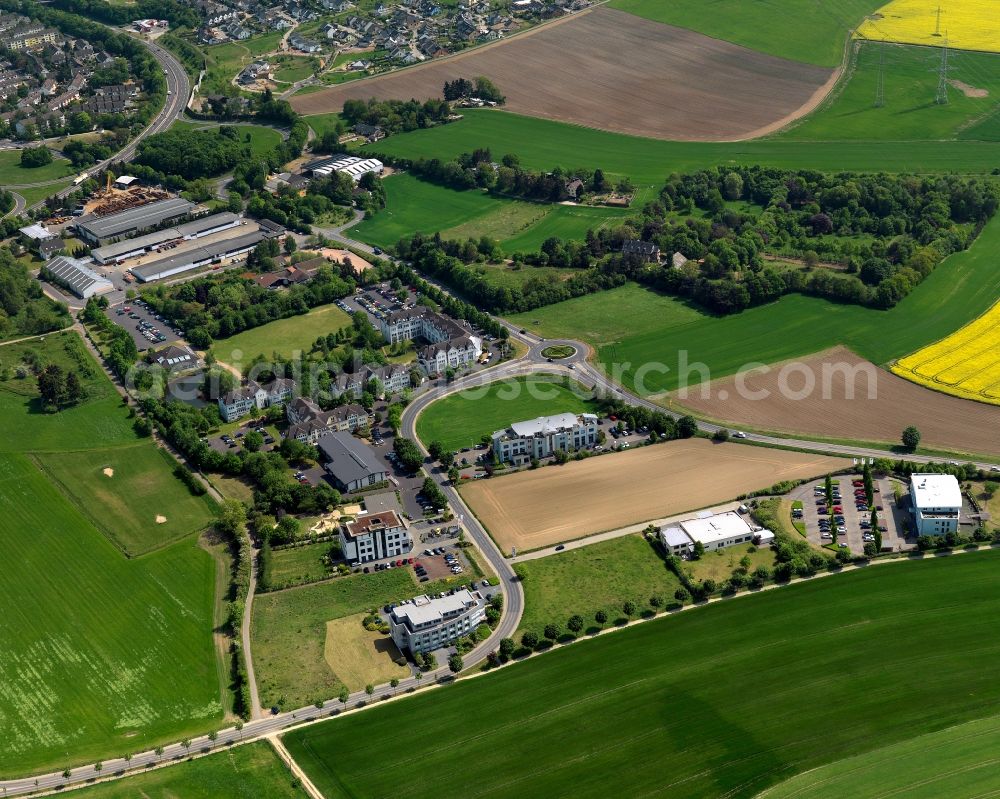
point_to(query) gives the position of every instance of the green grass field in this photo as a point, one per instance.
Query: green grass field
(289, 631)
(262, 138)
(797, 29)
(543, 145)
(284, 336)
(13, 174)
(564, 222)
(248, 771)
(609, 316)
(460, 420)
(101, 654)
(726, 700)
(293, 68)
(600, 576)
(303, 564)
(910, 111)
(126, 504)
(958, 762)
(413, 206)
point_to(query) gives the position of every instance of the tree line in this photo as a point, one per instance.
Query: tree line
(24, 308)
(480, 87)
(396, 116)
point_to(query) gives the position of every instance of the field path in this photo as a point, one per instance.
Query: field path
(255, 710)
(300, 775)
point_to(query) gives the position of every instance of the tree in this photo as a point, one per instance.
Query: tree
(186, 743)
(158, 752)
(394, 684)
(369, 689)
(911, 438)
(682, 595)
(687, 427)
(697, 551)
(344, 696)
(455, 664)
(33, 157)
(253, 441)
(629, 608)
(52, 385)
(551, 631)
(601, 617)
(507, 647)
(529, 640)
(990, 487)
(575, 623)
(213, 736)
(435, 449)
(453, 474)
(409, 454)
(656, 601)
(238, 726)
(98, 766)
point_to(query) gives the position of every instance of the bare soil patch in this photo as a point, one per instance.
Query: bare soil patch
(533, 509)
(944, 422)
(969, 91)
(108, 471)
(161, 519)
(615, 71)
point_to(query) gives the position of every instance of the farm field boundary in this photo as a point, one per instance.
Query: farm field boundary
(533, 509)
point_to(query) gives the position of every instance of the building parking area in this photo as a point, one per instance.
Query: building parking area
(853, 518)
(147, 329)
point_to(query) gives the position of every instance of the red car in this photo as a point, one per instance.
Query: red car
(399, 563)
(837, 509)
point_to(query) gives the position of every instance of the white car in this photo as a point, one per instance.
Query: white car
(739, 434)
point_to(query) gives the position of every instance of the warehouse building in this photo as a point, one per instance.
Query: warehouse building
(348, 164)
(352, 464)
(76, 276)
(212, 253)
(101, 230)
(718, 530)
(142, 245)
(424, 624)
(937, 503)
(373, 537)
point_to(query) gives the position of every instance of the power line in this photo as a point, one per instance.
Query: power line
(880, 78)
(937, 26)
(942, 88)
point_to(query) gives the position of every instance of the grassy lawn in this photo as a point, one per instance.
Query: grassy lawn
(413, 205)
(293, 68)
(128, 500)
(99, 422)
(289, 631)
(963, 764)
(12, 173)
(959, 289)
(32, 196)
(321, 123)
(910, 111)
(296, 565)
(284, 336)
(599, 576)
(102, 654)
(797, 29)
(359, 657)
(504, 220)
(262, 138)
(460, 420)
(248, 771)
(609, 316)
(505, 274)
(718, 565)
(563, 222)
(543, 145)
(732, 698)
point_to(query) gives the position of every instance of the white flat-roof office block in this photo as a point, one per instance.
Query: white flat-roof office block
(719, 530)
(937, 503)
(424, 623)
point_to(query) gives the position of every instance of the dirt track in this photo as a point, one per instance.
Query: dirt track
(534, 509)
(944, 422)
(615, 71)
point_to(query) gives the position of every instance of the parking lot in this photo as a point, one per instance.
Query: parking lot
(147, 330)
(853, 517)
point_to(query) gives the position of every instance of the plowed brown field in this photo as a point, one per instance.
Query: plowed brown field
(539, 508)
(945, 422)
(615, 71)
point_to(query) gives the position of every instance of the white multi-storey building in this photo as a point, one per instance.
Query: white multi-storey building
(450, 344)
(424, 624)
(373, 537)
(307, 421)
(541, 437)
(937, 503)
(240, 401)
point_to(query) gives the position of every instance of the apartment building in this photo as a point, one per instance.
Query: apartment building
(450, 344)
(424, 624)
(307, 421)
(373, 537)
(541, 437)
(937, 503)
(240, 401)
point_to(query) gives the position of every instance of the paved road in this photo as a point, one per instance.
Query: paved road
(18, 208)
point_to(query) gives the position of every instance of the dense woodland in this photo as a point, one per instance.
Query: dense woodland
(482, 88)
(24, 309)
(861, 239)
(396, 116)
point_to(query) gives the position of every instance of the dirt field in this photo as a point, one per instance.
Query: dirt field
(534, 509)
(615, 71)
(944, 422)
(359, 657)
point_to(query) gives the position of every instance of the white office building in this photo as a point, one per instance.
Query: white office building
(449, 343)
(719, 530)
(541, 437)
(373, 537)
(240, 401)
(424, 624)
(676, 541)
(937, 503)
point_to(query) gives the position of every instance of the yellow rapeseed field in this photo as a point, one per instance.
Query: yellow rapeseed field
(966, 363)
(969, 24)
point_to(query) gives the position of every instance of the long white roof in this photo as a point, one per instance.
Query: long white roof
(717, 527)
(545, 424)
(935, 491)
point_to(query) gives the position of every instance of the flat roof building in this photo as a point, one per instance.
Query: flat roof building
(675, 540)
(937, 503)
(140, 245)
(424, 623)
(348, 164)
(103, 230)
(373, 537)
(541, 437)
(719, 530)
(213, 252)
(76, 276)
(352, 464)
